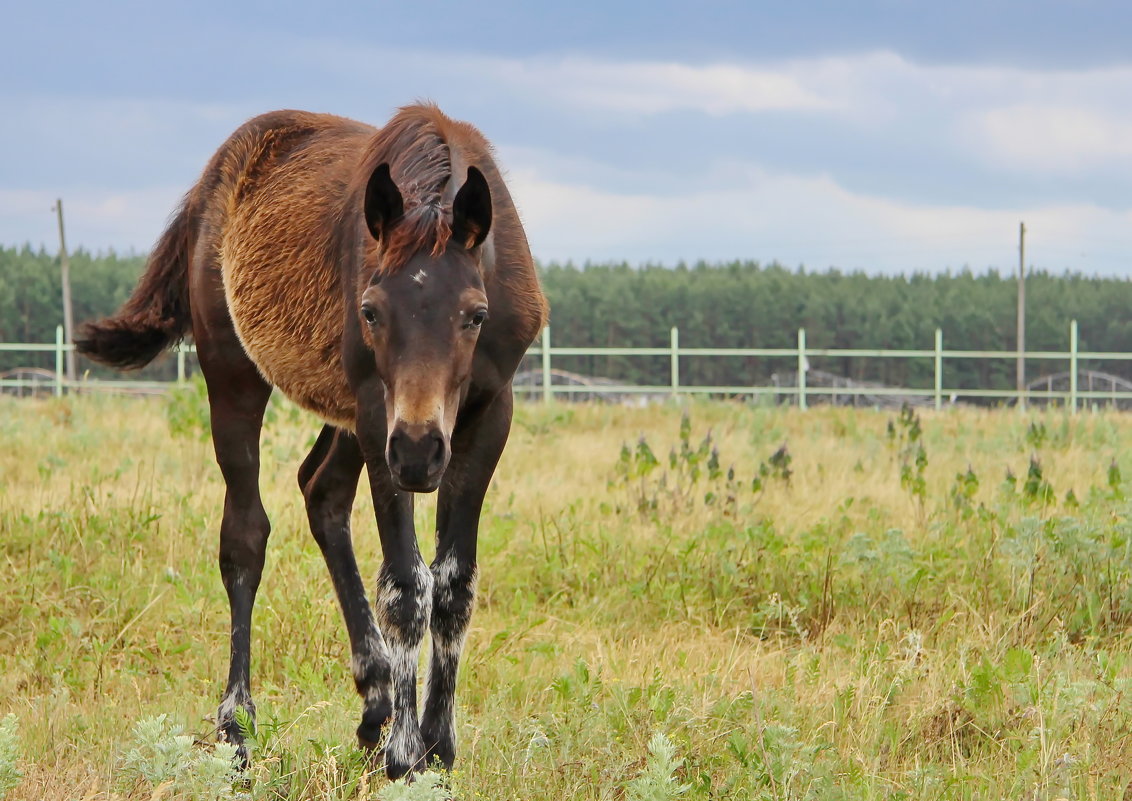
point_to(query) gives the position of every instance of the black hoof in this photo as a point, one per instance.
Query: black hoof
(397, 770)
(440, 756)
(371, 731)
(405, 764)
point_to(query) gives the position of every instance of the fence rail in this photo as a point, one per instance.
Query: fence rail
(799, 392)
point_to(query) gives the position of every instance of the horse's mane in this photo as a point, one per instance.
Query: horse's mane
(415, 146)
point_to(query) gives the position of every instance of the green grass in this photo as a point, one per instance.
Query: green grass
(890, 607)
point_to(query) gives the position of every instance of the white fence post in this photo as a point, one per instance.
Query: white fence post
(59, 360)
(938, 369)
(803, 365)
(547, 389)
(1073, 366)
(675, 361)
(181, 363)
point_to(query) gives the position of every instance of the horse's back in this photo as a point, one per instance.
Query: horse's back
(276, 190)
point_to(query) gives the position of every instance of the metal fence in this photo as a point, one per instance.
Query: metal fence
(799, 391)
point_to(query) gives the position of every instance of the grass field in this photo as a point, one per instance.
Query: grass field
(893, 607)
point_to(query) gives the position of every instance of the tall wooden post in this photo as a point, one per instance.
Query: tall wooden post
(1022, 315)
(68, 314)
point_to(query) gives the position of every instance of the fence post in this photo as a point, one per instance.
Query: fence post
(802, 367)
(547, 390)
(58, 360)
(181, 363)
(1073, 366)
(938, 369)
(675, 360)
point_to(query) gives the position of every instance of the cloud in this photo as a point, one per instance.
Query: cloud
(658, 87)
(124, 142)
(982, 116)
(1041, 121)
(810, 220)
(96, 218)
(1061, 139)
(627, 87)
(862, 160)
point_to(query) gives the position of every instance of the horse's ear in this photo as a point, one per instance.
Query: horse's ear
(471, 211)
(383, 204)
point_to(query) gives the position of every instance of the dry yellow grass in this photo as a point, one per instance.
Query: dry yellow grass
(845, 634)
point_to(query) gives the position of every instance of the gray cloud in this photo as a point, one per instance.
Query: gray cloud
(863, 160)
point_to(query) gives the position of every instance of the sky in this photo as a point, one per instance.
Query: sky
(879, 135)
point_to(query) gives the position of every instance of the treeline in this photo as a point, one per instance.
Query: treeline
(739, 304)
(745, 304)
(31, 303)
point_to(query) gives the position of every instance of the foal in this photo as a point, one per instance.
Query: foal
(382, 280)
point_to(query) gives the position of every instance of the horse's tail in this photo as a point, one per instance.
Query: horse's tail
(156, 316)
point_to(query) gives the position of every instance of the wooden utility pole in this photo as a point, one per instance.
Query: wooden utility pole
(68, 315)
(1022, 315)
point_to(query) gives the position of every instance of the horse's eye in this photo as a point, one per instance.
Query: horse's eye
(369, 315)
(478, 318)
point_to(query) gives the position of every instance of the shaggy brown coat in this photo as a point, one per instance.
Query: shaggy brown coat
(281, 272)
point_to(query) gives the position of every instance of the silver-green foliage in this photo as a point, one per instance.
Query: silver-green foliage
(9, 754)
(162, 756)
(657, 781)
(427, 786)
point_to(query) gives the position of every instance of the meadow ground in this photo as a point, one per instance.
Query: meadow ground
(893, 607)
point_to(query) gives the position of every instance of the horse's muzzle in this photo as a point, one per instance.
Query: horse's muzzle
(417, 456)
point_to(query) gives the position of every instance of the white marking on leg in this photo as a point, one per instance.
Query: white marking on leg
(405, 746)
(447, 646)
(445, 573)
(389, 594)
(237, 698)
(228, 706)
(373, 651)
(441, 702)
(372, 647)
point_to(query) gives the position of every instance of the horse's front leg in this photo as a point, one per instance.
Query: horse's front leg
(403, 604)
(476, 447)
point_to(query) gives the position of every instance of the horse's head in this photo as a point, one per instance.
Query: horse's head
(422, 320)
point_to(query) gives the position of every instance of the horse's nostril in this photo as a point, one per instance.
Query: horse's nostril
(393, 451)
(436, 458)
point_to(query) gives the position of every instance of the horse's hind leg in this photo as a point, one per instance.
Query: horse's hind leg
(237, 397)
(329, 481)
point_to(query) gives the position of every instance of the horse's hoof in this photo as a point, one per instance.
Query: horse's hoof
(404, 765)
(371, 730)
(437, 761)
(370, 738)
(229, 732)
(396, 770)
(439, 757)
